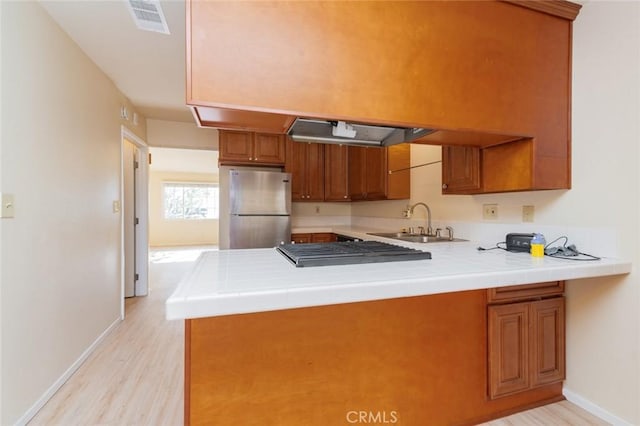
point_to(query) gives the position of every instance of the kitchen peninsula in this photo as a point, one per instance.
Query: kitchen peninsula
(268, 343)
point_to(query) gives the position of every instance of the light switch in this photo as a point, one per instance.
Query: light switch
(116, 206)
(8, 208)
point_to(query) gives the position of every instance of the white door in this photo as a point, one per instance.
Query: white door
(131, 156)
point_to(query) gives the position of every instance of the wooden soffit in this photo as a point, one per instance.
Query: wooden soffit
(560, 8)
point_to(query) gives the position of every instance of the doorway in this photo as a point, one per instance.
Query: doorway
(135, 216)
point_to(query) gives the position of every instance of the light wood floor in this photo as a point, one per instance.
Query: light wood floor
(135, 376)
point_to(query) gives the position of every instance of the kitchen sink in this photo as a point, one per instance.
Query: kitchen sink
(414, 238)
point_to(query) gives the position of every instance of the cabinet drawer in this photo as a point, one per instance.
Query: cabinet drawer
(515, 293)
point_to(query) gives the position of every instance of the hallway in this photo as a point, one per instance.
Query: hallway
(135, 375)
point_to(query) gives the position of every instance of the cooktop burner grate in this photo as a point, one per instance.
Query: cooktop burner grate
(348, 252)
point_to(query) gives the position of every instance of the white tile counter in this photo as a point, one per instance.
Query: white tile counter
(255, 280)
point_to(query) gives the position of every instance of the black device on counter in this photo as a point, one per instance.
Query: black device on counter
(519, 242)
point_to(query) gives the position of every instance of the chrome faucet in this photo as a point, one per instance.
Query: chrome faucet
(409, 211)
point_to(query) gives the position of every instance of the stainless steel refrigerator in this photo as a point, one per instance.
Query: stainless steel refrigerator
(260, 209)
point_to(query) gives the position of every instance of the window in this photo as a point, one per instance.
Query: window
(190, 201)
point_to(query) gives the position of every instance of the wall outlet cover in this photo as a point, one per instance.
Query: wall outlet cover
(528, 213)
(489, 211)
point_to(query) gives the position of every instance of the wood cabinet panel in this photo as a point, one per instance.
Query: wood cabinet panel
(336, 173)
(515, 293)
(376, 173)
(314, 237)
(451, 84)
(235, 146)
(310, 366)
(547, 341)
(508, 349)
(369, 177)
(233, 119)
(301, 238)
(399, 180)
(461, 170)
(269, 148)
(526, 340)
(357, 173)
(323, 237)
(305, 162)
(249, 148)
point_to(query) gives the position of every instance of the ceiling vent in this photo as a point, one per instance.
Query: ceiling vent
(148, 15)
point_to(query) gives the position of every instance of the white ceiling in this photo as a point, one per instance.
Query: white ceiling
(147, 67)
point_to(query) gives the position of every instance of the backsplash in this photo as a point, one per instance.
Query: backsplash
(597, 241)
(602, 242)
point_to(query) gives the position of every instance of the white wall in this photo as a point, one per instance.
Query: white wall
(61, 257)
(174, 134)
(1, 297)
(174, 232)
(603, 315)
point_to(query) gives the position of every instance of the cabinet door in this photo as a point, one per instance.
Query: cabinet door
(323, 237)
(398, 182)
(547, 341)
(235, 147)
(305, 162)
(296, 164)
(301, 238)
(268, 148)
(508, 349)
(314, 171)
(357, 173)
(336, 173)
(460, 170)
(376, 176)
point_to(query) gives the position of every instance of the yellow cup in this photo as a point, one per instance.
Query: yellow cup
(537, 250)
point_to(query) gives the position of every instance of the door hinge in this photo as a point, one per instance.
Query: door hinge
(136, 277)
(136, 221)
(149, 158)
(136, 165)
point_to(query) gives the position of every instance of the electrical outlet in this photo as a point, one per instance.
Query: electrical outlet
(527, 213)
(489, 211)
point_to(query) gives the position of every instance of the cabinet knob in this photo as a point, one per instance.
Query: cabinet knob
(344, 196)
(445, 186)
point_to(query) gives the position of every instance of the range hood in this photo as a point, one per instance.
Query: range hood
(340, 132)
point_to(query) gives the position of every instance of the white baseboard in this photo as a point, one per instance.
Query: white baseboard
(26, 417)
(594, 409)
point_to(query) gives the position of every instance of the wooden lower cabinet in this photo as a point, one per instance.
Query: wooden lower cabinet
(422, 360)
(315, 237)
(526, 345)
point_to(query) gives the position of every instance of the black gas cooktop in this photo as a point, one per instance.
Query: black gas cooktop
(348, 252)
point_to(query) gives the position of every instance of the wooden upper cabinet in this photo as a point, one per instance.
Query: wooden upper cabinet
(508, 73)
(269, 148)
(367, 167)
(249, 148)
(461, 170)
(305, 162)
(336, 173)
(235, 147)
(369, 177)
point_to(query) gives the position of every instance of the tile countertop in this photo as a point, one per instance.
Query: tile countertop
(256, 280)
